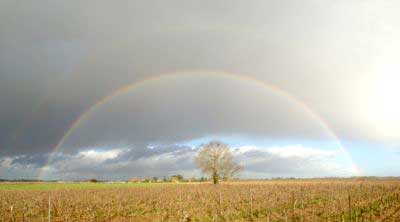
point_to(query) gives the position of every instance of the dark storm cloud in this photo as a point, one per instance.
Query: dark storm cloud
(57, 58)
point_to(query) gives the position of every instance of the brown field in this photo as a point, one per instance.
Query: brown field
(280, 200)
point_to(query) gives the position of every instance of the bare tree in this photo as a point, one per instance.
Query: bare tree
(215, 159)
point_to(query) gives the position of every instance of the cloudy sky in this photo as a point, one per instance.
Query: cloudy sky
(115, 90)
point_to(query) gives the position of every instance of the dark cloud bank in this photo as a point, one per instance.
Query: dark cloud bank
(58, 58)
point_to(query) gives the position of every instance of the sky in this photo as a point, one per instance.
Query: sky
(114, 90)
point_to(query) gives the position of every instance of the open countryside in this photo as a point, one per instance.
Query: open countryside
(270, 200)
(200, 111)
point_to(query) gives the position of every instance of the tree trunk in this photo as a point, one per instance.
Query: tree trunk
(215, 177)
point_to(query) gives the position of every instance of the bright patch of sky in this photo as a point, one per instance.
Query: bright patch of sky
(374, 159)
(238, 141)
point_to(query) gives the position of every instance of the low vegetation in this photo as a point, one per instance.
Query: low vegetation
(271, 200)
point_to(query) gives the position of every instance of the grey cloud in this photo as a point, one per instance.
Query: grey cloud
(176, 109)
(33, 160)
(163, 161)
(136, 152)
(264, 162)
(160, 161)
(58, 58)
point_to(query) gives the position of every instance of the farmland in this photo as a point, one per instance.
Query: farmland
(271, 200)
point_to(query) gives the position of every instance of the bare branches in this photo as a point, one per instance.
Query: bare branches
(216, 159)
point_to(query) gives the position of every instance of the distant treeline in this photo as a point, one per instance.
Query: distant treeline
(181, 178)
(24, 180)
(173, 178)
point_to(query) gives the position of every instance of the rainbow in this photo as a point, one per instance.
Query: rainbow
(129, 87)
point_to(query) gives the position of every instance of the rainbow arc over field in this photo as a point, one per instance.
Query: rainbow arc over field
(204, 73)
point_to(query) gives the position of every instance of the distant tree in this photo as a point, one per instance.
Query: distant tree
(93, 180)
(215, 159)
(176, 178)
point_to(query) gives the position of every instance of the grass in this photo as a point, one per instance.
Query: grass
(281, 200)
